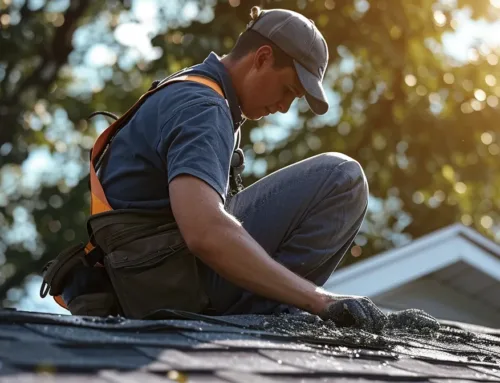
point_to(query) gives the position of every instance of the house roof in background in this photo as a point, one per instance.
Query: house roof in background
(48, 347)
(428, 254)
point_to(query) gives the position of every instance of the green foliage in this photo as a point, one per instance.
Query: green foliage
(423, 126)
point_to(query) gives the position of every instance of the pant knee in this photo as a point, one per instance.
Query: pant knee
(354, 175)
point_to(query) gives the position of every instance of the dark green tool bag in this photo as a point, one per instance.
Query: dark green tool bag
(148, 262)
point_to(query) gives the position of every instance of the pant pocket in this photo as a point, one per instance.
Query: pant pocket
(160, 274)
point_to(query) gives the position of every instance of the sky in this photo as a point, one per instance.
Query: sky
(136, 36)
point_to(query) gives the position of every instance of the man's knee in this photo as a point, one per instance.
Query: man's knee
(354, 178)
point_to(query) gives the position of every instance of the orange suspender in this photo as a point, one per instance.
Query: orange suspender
(98, 200)
(99, 203)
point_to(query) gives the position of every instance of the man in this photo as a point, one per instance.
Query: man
(267, 248)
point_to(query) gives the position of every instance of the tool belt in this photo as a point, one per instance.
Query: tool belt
(146, 267)
(136, 261)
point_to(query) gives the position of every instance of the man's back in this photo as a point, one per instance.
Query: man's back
(168, 136)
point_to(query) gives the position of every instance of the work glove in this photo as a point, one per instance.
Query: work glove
(412, 320)
(358, 312)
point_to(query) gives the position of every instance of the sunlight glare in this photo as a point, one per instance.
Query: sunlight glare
(100, 55)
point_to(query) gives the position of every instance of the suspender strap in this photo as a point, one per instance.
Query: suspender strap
(98, 202)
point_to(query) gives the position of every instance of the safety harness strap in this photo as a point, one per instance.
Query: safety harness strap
(98, 202)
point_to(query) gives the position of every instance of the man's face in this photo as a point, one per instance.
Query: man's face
(266, 89)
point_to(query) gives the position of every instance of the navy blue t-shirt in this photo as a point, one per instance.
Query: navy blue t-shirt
(184, 128)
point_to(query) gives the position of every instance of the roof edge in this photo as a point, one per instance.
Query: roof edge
(426, 244)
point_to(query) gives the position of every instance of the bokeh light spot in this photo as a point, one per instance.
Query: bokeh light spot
(460, 187)
(486, 138)
(410, 80)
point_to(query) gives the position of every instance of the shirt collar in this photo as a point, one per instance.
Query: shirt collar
(213, 67)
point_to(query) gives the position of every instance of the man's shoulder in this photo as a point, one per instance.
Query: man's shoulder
(185, 93)
(187, 100)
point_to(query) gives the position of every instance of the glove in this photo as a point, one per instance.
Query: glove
(358, 312)
(412, 320)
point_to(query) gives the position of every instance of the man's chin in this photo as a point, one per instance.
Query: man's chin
(252, 116)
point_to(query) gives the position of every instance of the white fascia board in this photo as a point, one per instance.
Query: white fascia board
(420, 245)
(480, 260)
(397, 267)
(479, 240)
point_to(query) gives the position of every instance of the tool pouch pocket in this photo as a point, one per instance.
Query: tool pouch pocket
(155, 272)
(56, 272)
(86, 290)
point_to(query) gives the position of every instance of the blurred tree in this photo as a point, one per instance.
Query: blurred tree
(423, 125)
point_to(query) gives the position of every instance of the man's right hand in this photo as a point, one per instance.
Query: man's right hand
(354, 311)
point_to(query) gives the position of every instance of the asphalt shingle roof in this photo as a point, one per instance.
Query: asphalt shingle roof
(37, 347)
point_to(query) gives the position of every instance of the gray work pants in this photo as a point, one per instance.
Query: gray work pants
(305, 216)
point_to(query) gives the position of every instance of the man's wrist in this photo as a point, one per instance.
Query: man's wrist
(320, 301)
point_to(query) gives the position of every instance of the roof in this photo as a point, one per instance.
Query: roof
(59, 348)
(456, 259)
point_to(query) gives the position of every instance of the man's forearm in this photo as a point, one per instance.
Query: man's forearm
(236, 256)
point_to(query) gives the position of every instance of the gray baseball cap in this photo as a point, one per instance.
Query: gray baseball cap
(298, 37)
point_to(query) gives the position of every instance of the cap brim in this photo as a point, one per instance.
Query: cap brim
(315, 94)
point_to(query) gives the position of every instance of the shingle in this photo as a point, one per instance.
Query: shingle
(494, 371)
(204, 378)
(19, 332)
(245, 377)
(172, 358)
(54, 377)
(323, 363)
(491, 349)
(30, 353)
(337, 379)
(33, 355)
(238, 377)
(7, 369)
(458, 346)
(216, 360)
(486, 339)
(433, 370)
(472, 327)
(244, 340)
(133, 377)
(84, 335)
(360, 352)
(111, 323)
(430, 354)
(452, 381)
(247, 321)
(119, 357)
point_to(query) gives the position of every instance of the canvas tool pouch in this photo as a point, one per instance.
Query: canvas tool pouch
(148, 262)
(86, 290)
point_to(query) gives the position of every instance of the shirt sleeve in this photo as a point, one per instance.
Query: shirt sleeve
(199, 140)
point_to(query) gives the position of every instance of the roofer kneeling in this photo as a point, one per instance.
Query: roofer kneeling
(171, 226)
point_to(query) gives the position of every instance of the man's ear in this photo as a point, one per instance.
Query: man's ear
(263, 57)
